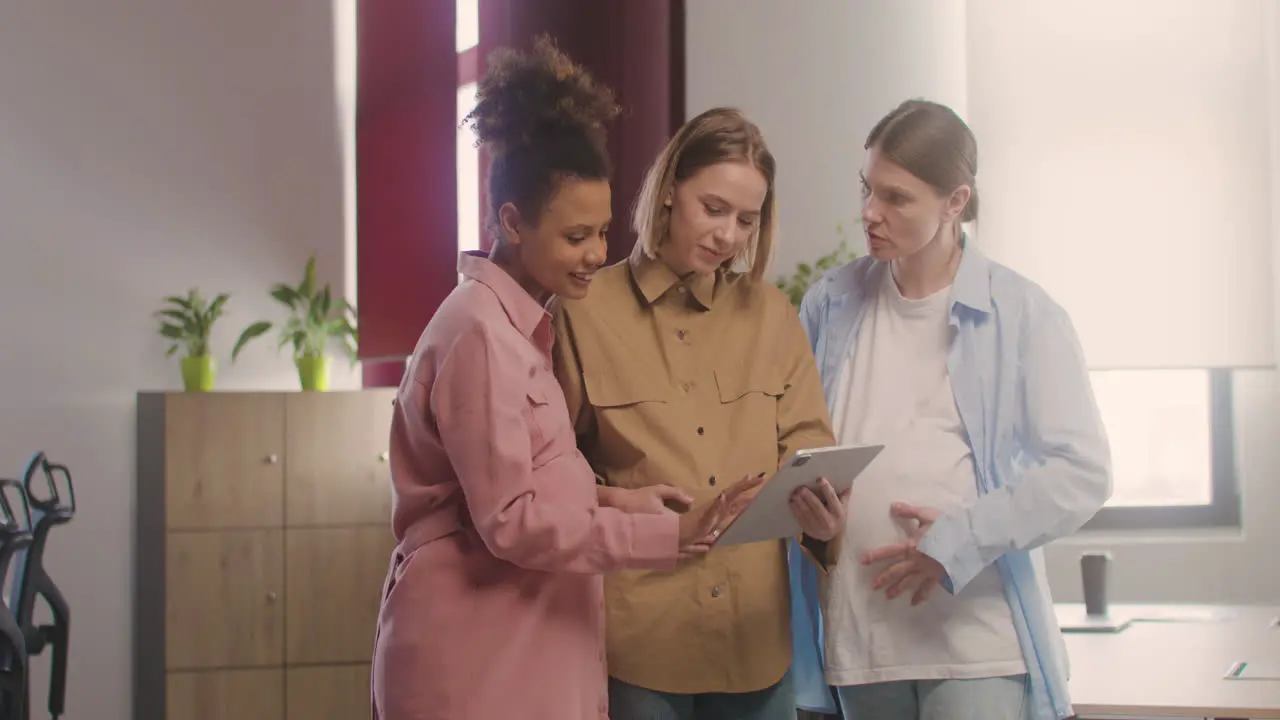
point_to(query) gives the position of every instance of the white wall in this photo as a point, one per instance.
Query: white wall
(803, 72)
(146, 146)
(816, 76)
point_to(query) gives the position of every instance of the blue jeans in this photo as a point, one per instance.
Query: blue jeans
(998, 698)
(628, 702)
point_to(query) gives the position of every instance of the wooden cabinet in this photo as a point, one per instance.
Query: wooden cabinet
(327, 622)
(338, 470)
(223, 459)
(263, 537)
(223, 599)
(226, 695)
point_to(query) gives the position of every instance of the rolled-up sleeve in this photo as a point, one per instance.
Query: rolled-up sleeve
(479, 403)
(803, 419)
(1067, 478)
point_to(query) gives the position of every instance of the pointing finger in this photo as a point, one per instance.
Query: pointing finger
(885, 552)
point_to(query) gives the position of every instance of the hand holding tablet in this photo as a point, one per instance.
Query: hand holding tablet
(769, 515)
(819, 510)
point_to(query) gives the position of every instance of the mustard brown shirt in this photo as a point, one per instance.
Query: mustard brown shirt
(694, 383)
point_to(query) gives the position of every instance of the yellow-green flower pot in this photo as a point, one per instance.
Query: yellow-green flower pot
(199, 372)
(313, 371)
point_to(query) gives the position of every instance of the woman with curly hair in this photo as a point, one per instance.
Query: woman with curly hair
(492, 606)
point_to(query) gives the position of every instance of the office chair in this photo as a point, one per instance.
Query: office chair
(50, 507)
(15, 536)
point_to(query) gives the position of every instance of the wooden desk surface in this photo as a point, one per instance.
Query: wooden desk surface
(1175, 668)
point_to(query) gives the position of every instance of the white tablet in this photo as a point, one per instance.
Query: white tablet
(769, 515)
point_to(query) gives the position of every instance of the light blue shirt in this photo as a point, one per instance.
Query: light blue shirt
(1042, 457)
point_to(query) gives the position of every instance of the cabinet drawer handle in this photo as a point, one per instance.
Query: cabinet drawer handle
(271, 597)
(273, 459)
(382, 456)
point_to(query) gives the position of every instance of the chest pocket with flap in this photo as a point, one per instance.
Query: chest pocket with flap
(618, 388)
(743, 383)
(749, 400)
(548, 422)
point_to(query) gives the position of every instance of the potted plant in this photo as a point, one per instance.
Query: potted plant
(315, 320)
(796, 285)
(187, 322)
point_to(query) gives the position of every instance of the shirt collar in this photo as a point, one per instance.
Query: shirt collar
(972, 286)
(524, 312)
(655, 278)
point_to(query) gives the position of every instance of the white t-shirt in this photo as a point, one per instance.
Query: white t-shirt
(894, 389)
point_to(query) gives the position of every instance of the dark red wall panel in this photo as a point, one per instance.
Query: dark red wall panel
(406, 175)
(406, 131)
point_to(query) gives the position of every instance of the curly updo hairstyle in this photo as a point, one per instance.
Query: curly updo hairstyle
(542, 119)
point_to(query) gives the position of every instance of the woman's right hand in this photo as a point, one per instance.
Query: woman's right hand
(701, 526)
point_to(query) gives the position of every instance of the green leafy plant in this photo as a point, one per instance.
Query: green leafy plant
(798, 283)
(316, 319)
(188, 321)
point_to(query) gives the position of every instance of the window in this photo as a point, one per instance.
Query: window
(1172, 448)
(468, 175)
(1066, 95)
(468, 37)
(468, 21)
(469, 155)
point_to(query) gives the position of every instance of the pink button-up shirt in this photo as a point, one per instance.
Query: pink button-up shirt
(492, 607)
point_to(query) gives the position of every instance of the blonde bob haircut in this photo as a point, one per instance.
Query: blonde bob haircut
(718, 135)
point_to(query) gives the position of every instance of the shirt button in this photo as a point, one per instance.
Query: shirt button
(716, 591)
(680, 289)
(686, 387)
(702, 431)
(712, 480)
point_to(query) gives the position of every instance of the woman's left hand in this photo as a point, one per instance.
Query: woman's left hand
(821, 518)
(913, 571)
